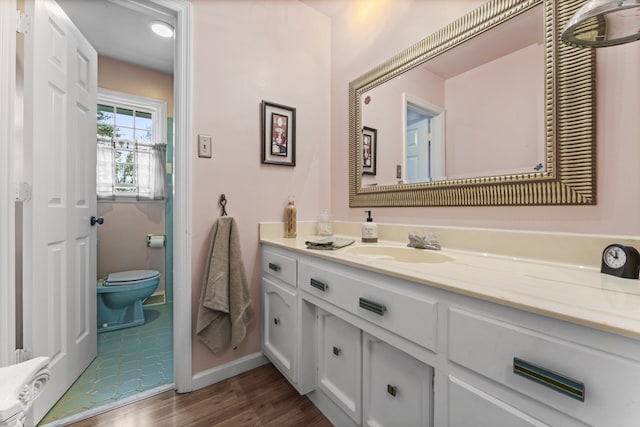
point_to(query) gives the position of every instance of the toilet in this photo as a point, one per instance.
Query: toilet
(120, 298)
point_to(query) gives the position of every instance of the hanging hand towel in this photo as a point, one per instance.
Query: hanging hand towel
(225, 303)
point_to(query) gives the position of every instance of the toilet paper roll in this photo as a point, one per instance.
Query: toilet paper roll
(155, 241)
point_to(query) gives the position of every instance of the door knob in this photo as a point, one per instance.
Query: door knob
(95, 220)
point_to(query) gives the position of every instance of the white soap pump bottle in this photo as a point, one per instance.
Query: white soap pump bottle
(369, 230)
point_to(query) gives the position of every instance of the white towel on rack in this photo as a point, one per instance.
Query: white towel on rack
(225, 307)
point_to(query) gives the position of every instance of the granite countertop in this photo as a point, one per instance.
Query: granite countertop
(577, 294)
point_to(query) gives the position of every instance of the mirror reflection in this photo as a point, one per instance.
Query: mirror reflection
(463, 118)
(473, 111)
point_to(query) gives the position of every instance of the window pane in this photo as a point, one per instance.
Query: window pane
(125, 133)
(105, 109)
(105, 121)
(105, 130)
(144, 125)
(124, 117)
(143, 135)
(125, 174)
(124, 156)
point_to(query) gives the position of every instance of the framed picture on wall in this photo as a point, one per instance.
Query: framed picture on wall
(369, 149)
(278, 123)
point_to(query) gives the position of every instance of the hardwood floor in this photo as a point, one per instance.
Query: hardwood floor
(260, 397)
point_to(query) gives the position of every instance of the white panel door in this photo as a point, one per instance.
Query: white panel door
(340, 363)
(279, 308)
(418, 152)
(396, 388)
(60, 162)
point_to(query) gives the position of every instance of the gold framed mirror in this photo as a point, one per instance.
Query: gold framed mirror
(562, 171)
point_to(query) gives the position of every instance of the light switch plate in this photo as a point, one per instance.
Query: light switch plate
(204, 146)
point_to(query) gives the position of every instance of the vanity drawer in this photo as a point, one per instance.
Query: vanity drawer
(389, 303)
(592, 386)
(279, 266)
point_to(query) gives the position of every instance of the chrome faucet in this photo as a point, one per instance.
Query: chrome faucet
(421, 242)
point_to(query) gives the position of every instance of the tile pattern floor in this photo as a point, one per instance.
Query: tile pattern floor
(129, 361)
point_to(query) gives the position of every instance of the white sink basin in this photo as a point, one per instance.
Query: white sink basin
(396, 253)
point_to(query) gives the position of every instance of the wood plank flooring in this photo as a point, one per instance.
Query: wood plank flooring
(260, 397)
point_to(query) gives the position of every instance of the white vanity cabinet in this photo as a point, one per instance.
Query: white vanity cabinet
(281, 335)
(377, 350)
(396, 387)
(591, 377)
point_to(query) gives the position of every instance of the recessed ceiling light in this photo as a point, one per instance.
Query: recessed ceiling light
(162, 29)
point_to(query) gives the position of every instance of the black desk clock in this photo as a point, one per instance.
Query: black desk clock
(621, 261)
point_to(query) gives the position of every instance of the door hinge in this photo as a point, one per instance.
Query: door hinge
(22, 355)
(23, 22)
(23, 192)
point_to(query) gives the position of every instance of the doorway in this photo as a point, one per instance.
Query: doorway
(182, 198)
(131, 361)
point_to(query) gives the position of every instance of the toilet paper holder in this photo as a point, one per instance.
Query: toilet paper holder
(156, 240)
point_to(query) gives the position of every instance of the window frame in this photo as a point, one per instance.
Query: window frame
(156, 107)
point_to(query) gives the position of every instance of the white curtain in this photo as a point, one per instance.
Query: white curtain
(152, 171)
(105, 169)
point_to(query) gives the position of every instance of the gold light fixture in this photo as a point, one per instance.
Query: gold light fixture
(602, 23)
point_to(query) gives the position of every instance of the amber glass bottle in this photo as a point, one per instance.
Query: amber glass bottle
(290, 219)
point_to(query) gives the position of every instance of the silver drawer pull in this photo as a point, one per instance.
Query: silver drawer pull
(392, 390)
(336, 351)
(274, 267)
(372, 306)
(318, 285)
(276, 321)
(557, 382)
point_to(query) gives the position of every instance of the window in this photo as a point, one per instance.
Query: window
(131, 134)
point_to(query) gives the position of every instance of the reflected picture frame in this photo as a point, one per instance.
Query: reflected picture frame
(278, 130)
(369, 150)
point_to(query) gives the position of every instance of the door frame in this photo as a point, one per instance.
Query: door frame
(182, 92)
(7, 179)
(182, 199)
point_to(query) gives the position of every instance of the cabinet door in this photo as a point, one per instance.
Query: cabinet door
(339, 363)
(279, 305)
(397, 389)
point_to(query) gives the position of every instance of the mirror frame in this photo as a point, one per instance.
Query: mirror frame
(569, 99)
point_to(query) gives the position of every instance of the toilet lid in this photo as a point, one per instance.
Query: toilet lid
(131, 276)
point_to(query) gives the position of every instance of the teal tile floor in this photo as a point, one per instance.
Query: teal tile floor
(129, 361)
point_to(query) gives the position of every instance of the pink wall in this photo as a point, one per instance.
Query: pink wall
(122, 241)
(505, 135)
(129, 78)
(393, 26)
(245, 52)
(384, 112)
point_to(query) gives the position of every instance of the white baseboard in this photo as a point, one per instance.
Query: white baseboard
(228, 370)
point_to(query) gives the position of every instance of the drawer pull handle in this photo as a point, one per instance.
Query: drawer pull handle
(274, 267)
(372, 306)
(392, 390)
(555, 381)
(318, 285)
(336, 351)
(276, 321)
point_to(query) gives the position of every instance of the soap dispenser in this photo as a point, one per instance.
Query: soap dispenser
(369, 230)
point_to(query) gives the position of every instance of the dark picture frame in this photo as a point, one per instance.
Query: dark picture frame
(369, 150)
(278, 129)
